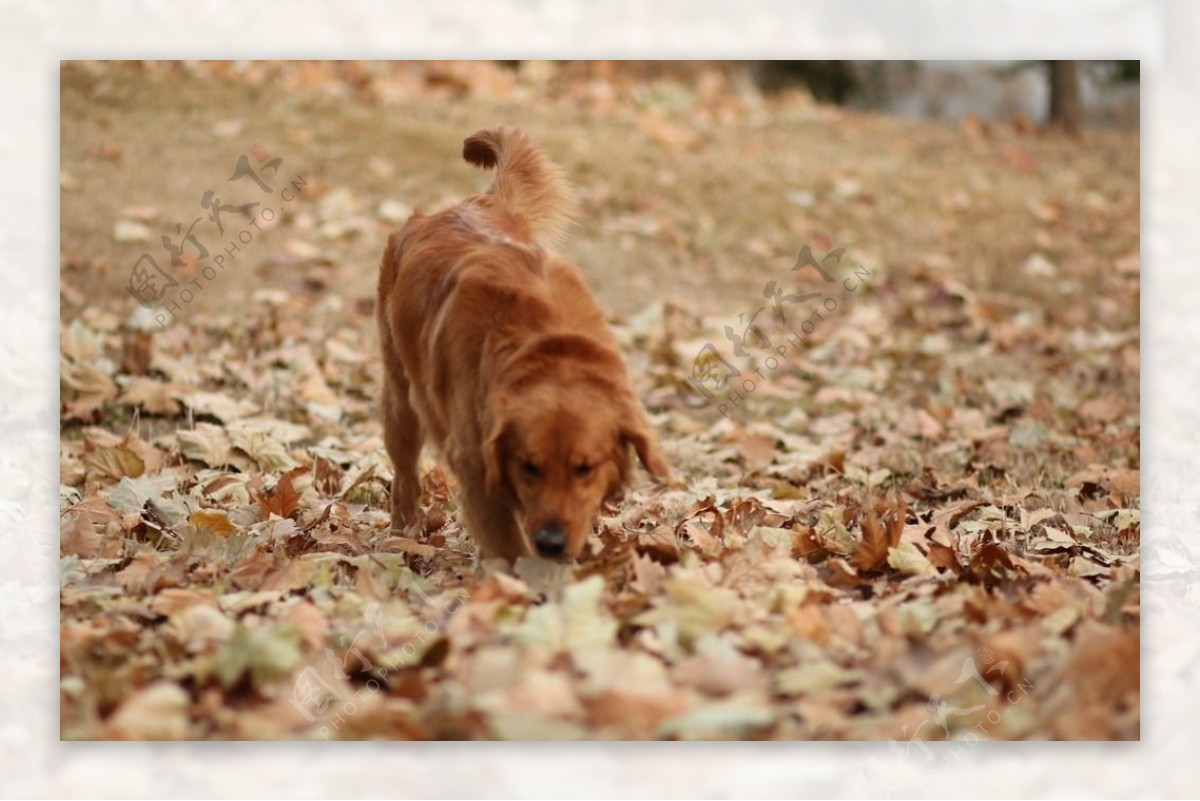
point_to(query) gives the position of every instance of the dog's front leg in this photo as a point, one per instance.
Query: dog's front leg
(490, 518)
(403, 438)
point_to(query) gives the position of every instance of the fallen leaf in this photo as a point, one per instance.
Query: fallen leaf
(285, 498)
(151, 396)
(814, 678)
(263, 654)
(214, 521)
(206, 443)
(159, 711)
(909, 561)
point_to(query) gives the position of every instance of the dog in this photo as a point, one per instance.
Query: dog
(495, 351)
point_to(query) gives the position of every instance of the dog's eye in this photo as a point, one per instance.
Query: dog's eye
(530, 469)
(582, 471)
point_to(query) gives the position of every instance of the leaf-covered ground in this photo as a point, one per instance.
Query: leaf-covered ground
(919, 519)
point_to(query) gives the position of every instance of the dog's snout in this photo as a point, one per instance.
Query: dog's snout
(550, 540)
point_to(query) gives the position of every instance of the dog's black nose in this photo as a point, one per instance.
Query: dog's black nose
(550, 540)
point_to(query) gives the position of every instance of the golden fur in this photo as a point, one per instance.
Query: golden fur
(495, 350)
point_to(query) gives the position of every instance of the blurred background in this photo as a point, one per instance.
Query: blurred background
(1068, 94)
(710, 173)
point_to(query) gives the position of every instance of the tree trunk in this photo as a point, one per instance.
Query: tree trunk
(1066, 110)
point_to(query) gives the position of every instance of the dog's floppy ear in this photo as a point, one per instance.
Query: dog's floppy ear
(638, 434)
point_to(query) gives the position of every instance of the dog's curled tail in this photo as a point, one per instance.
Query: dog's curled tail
(527, 182)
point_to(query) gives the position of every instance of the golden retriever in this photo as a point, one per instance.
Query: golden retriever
(495, 350)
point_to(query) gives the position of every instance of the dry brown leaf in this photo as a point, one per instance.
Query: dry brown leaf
(214, 521)
(84, 388)
(152, 396)
(310, 621)
(157, 712)
(840, 574)
(910, 561)
(757, 451)
(251, 573)
(944, 558)
(114, 463)
(806, 545)
(141, 572)
(691, 531)
(407, 545)
(1105, 663)
(173, 600)
(79, 537)
(1103, 410)
(878, 536)
(872, 551)
(285, 498)
(659, 544)
(991, 564)
(327, 477)
(206, 443)
(201, 628)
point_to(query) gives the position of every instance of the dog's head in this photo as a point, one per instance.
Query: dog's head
(562, 443)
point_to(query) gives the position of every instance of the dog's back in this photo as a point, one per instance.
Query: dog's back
(477, 272)
(528, 207)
